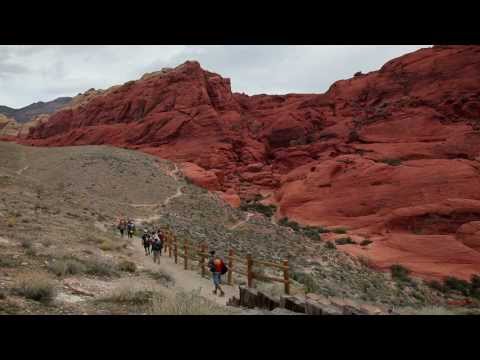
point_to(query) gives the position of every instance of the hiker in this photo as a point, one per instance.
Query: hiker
(121, 227)
(157, 248)
(146, 242)
(161, 236)
(130, 228)
(218, 268)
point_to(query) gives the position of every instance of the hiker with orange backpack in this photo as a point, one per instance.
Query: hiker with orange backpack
(217, 268)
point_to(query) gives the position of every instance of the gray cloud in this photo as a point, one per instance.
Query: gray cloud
(41, 73)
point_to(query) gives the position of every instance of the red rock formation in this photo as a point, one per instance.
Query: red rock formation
(392, 155)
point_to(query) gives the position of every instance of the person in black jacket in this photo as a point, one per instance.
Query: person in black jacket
(157, 248)
(146, 242)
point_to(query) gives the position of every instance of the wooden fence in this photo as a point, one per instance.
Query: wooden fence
(243, 266)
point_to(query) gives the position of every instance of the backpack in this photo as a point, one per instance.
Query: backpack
(156, 246)
(224, 269)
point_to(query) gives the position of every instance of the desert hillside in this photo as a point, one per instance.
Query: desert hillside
(58, 235)
(392, 155)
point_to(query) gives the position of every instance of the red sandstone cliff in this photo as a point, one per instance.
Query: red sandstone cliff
(392, 155)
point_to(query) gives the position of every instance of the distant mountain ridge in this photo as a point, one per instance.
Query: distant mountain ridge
(27, 113)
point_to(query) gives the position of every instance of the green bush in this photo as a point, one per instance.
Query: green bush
(312, 233)
(344, 241)
(7, 262)
(436, 285)
(267, 210)
(340, 231)
(400, 273)
(291, 224)
(452, 283)
(392, 162)
(366, 242)
(475, 286)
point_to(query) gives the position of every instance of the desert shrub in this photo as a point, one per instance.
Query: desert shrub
(11, 221)
(267, 210)
(106, 245)
(30, 252)
(452, 283)
(339, 231)
(257, 197)
(312, 233)
(161, 276)
(330, 245)
(7, 262)
(26, 243)
(436, 285)
(129, 295)
(127, 266)
(366, 242)
(344, 241)
(400, 273)
(35, 287)
(64, 267)
(475, 282)
(291, 224)
(307, 281)
(100, 267)
(185, 303)
(392, 162)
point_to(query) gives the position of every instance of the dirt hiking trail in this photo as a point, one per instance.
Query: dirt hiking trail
(186, 280)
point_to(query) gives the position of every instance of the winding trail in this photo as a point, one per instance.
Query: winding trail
(240, 223)
(19, 172)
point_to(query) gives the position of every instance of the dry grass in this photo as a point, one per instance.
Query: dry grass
(163, 277)
(64, 267)
(127, 266)
(185, 303)
(129, 294)
(35, 287)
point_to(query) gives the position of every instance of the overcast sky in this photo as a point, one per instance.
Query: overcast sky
(41, 73)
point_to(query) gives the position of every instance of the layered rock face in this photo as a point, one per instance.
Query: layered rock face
(393, 155)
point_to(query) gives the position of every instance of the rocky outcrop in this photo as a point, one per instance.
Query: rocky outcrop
(370, 149)
(310, 304)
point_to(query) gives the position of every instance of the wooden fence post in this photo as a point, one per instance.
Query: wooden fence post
(230, 267)
(185, 255)
(175, 249)
(286, 278)
(203, 250)
(249, 270)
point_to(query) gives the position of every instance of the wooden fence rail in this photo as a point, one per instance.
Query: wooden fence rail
(200, 254)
